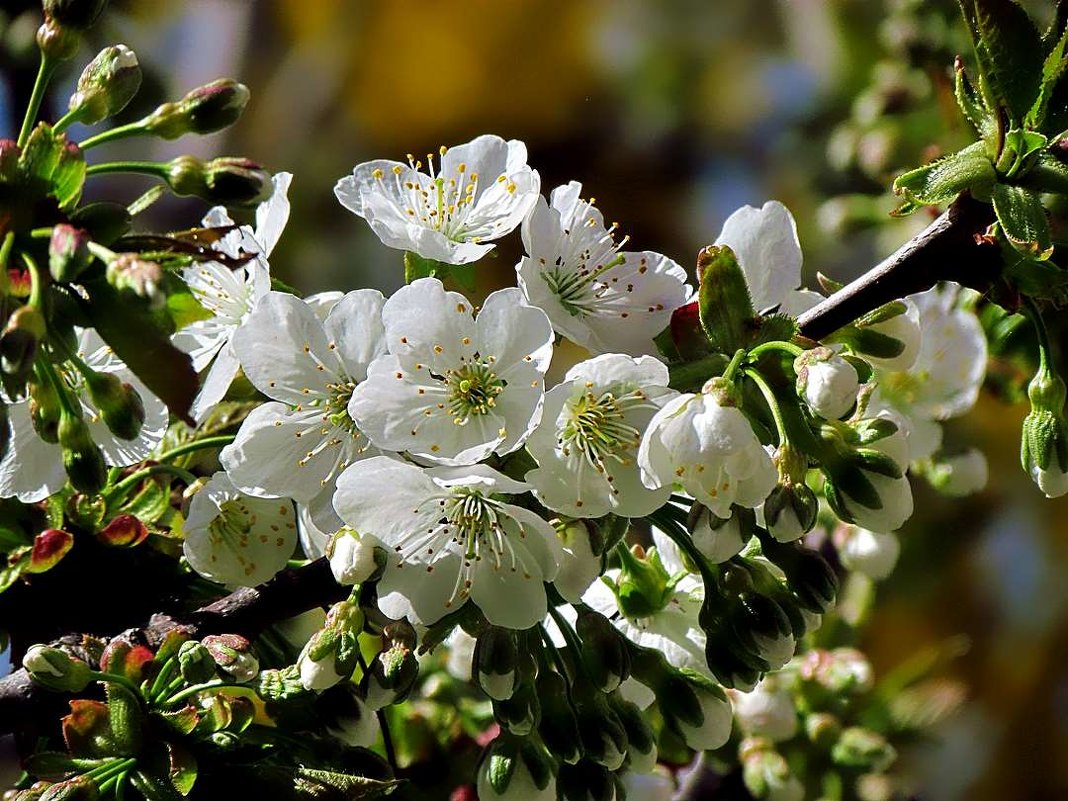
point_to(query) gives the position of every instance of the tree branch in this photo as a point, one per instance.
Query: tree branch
(247, 611)
(949, 249)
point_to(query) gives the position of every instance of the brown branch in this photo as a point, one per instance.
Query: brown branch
(247, 611)
(949, 249)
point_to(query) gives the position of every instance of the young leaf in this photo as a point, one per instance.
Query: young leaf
(971, 105)
(944, 179)
(1047, 174)
(1023, 220)
(726, 310)
(1010, 54)
(1053, 68)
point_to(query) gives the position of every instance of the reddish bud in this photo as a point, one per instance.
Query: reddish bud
(124, 531)
(49, 547)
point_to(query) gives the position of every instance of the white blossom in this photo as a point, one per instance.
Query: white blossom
(595, 294)
(959, 475)
(454, 388)
(230, 293)
(766, 711)
(295, 445)
(717, 538)
(579, 565)
(351, 556)
(236, 539)
(708, 449)
(482, 191)
(587, 444)
(32, 469)
(895, 494)
(765, 244)
(827, 382)
(451, 537)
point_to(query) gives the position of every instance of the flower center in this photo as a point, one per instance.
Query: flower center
(233, 524)
(472, 390)
(336, 406)
(596, 429)
(581, 291)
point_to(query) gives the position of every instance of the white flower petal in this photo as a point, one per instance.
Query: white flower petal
(765, 243)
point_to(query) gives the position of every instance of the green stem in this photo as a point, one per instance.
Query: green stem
(100, 773)
(111, 134)
(199, 688)
(44, 75)
(765, 347)
(104, 254)
(132, 480)
(164, 676)
(677, 534)
(1045, 355)
(569, 634)
(387, 740)
(196, 445)
(735, 363)
(5, 254)
(65, 121)
(48, 370)
(153, 168)
(554, 654)
(37, 281)
(116, 679)
(691, 375)
(771, 401)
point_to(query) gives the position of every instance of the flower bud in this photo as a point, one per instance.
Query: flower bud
(123, 531)
(226, 181)
(352, 557)
(390, 676)
(233, 654)
(318, 663)
(790, 511)
(822, 729)
(56, 670)
(700, 714)
(56, 41)
(516, 770)
(195, 662)
(763, 629)
(106, 85)
(605, 651)
(717, 539)
(810, 577)
(495, 667)
(44, 410)
(868, 487)
(604, 740)
(641, 741)
(77, 14)
(890, 336)
(128, 271)
(843, 671)
(643, 586)
(520, 712)
(119, 404)
(22, 334)
(870, 553)
(1044, 444)
(558, 726)
(826, 382)
(767, 711)
(586, 781)
(767, 776)
(579, 564)
(863, 749)
(206, 109)
(82, 459)
(68, 252)
(961, 475)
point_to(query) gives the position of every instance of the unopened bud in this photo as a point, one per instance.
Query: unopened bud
(233, 654)
(56, 41)
(641, 740)
(826, 382)
(701, 714)
(119, 404)
(206, 109)
(106, 85)
(226, 181)
(495, 666)
(1044, 441)
(960, 475)
(78, 14)
(141, 277)
(352, 557)
(123, 531)
(558, 726)
(520, 713)
(390, 676)
(22, 334)
(49, 547)
(822, 729)
(843, 671)
(790, 511)
(810, 576)
(68, 252)
(763, 629)
(767, 711)
(643, 586)
(863, 749)
(870, 553)
(195, 662)
(586, 781)
(604, 739)
(604, 651)
(516, 770)
(718, 539)
(9, 160)
(767, 776)
(44, 410)
(82, 459)
(56, 669)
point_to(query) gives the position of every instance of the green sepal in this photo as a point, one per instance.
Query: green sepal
(853, 482)
(153, 788)
(972, 107)
(150, 502)
(726, 310)
(278, 285)
(87, 731)
(1010, 54)
(328, 785)
(416, 267)
(942, 180)
(132, 333)
(1023, 220)
(868, 342)
(53, 165)
(183, 720)
(877, 462)
(776, 328)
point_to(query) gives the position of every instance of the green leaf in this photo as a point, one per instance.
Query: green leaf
(724, 305)
(69, 175)
(182, 770)
(14, 566)
(1047, 174)
(151, 501)
(124, 713)
(278, 285)
(1042, 280)
(416, 267)
(1019, 150)
(942, 180)
(1023, 220)
(776, 328)
(104, 221)
(329, 785)
(56, 765)
(133, 335)
(972, 106)
(1010, 54)
(1053, 68)
(55, 165)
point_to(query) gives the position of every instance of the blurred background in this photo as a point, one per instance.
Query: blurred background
(672, 114)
